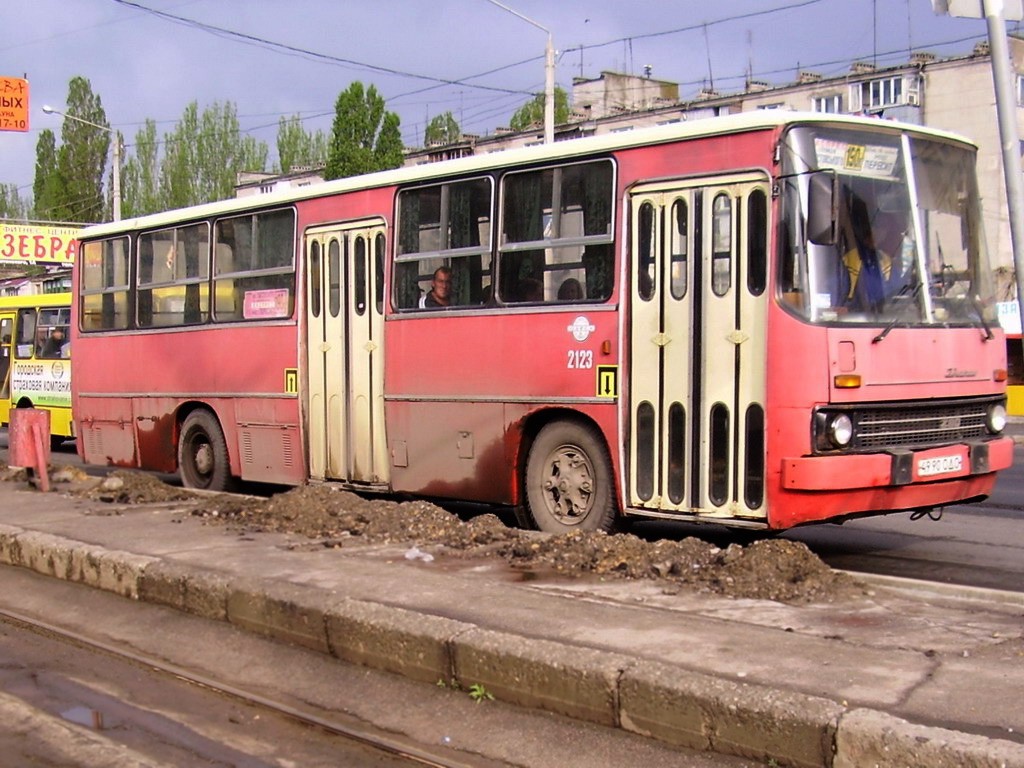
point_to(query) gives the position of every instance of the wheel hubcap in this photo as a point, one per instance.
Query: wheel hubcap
(204, 459)
(569, 487)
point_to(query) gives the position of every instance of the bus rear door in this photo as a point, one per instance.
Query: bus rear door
(697, 339)
(345, 377)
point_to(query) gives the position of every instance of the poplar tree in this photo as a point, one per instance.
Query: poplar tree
(82, 156)
(178, 185)
(365, 136)
(442, 129)
(203, 156)
(140, 179)
(531, 114)
(298, 148)
(69, 178)
(46, 188)
(12, 207)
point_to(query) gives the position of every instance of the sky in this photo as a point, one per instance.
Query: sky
(149, 59)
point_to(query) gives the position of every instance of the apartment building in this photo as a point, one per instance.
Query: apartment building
(954, 94)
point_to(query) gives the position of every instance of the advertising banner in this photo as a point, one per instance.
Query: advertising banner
(13, 104)
(31, 244)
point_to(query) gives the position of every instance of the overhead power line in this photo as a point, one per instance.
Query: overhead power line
(291, 49)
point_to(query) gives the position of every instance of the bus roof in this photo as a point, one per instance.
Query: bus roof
(714, 126)
(62, 299)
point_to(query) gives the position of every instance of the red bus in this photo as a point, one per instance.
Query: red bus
(762, 320)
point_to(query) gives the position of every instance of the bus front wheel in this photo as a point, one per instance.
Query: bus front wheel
(203, 453)
(569, 483)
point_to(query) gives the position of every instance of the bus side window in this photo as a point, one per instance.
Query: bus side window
(25, 344)
(444, 225)
(556, 226)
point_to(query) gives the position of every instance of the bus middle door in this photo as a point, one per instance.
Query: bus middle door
(697, 340)
(345, 324)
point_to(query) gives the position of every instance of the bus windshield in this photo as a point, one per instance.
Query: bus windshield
(904, 242)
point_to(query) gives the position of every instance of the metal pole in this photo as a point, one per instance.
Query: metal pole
(549, 92)
(1006, 109)
(117, 177)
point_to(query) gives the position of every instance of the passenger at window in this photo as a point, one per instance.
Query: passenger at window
(570, 290)
(440, 289)
(531, 289)
(53, 345)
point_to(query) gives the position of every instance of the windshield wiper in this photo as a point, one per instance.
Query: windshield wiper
(896, 320)
(976, 303)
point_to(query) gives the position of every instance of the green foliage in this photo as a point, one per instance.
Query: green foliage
(82, 157)
(478, 693)
(203, 156)
(296, 148)
(140, 177)
(178, 184)
(47, 189)
(442, 129)
(531, 114)
(365, 137)
(69, 178)
(12, 207)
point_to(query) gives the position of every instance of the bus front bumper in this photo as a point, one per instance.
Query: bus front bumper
(896, 468)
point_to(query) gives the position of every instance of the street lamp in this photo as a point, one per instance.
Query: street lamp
(116, 192)
(549, 74)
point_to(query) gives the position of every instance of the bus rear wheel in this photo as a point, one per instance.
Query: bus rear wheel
(203, 453)
(569, 483)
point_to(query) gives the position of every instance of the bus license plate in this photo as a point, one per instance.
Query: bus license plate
(940, 465)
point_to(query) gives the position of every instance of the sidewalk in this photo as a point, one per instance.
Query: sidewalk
(913, 675)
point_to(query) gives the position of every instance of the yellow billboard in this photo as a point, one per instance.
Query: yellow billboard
(31, 244)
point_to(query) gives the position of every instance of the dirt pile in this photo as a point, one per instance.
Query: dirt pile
(776, 569)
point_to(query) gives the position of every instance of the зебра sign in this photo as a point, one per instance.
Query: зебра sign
(31, 244)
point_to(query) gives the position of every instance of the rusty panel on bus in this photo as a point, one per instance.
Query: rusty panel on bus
(107, 434)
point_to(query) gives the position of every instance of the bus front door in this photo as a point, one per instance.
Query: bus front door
(344, 388)
(697, 348)
(6, 361)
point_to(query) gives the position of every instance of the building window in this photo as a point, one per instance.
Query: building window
(832, 104)
(885, 92)
(773, 105)
(1020, 90)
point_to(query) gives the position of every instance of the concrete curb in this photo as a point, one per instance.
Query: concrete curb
(870, 738)
(649, 698)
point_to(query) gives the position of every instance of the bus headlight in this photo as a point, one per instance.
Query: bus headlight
(840, 430)
(995, 418)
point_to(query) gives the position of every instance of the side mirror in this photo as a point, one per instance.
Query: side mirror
(823, 208)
